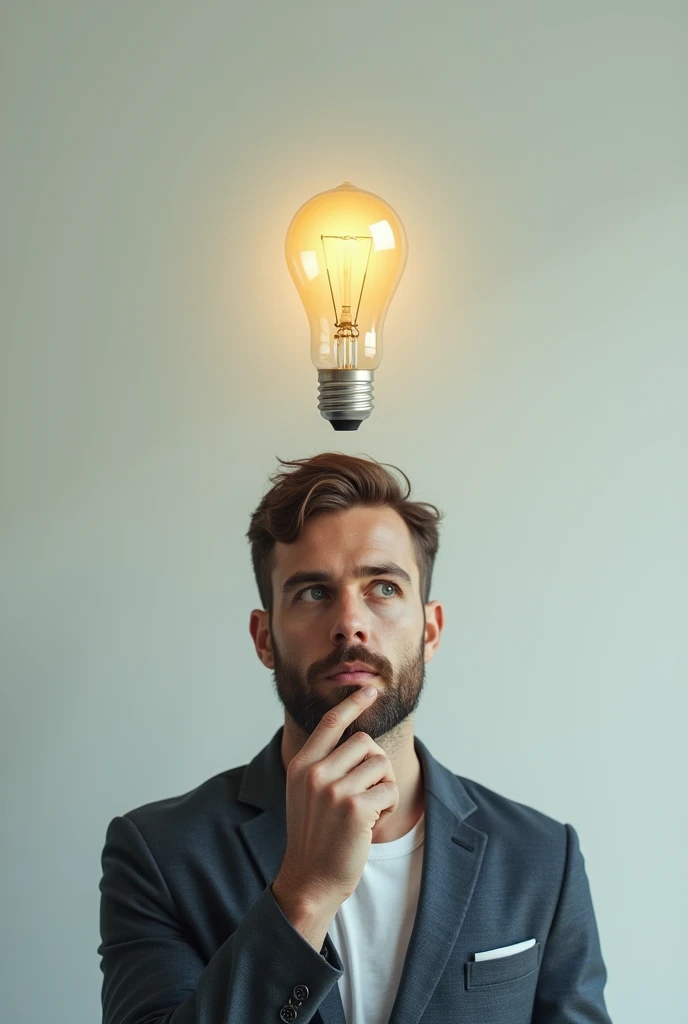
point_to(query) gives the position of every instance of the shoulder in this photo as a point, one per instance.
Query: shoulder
(508, 821)
(196, 809)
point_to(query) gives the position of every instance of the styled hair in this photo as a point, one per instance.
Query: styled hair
(333, 482)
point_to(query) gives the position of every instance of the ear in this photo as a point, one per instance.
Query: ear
(259, 628)
(434, 624)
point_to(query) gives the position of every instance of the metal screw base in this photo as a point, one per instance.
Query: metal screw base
(345, 397)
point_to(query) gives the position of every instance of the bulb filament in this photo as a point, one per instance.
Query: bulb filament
(345, 255)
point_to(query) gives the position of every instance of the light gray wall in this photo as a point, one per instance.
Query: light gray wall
(155, 362)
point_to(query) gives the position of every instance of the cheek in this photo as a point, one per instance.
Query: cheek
(297, 636)
(398, 625)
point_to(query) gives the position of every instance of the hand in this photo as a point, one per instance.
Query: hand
(335, 796)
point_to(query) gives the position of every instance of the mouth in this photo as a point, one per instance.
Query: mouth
(352, 677)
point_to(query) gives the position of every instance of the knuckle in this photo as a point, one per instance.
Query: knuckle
(372, 761)
(314, 776)
(380, 761)
(331, 718)
(295, 765)
(349, 806)
(373, 745)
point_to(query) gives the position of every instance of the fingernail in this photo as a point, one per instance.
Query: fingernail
(368, 691)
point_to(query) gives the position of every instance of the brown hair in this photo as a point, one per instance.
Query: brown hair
(333, 482)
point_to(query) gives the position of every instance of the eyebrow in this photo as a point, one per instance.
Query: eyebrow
(360, 572)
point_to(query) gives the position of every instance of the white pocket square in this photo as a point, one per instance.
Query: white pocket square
(517, 947)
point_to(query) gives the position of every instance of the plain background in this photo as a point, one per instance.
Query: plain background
(155, 362)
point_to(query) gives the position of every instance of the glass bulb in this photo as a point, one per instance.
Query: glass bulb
(346, 251)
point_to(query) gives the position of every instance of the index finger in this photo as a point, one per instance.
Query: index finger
(329, 729)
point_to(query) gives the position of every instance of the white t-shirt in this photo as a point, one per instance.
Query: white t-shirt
(372, 928)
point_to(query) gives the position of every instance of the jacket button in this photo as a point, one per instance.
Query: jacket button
(288, 1012)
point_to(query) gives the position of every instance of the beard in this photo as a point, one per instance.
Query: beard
(306, 699)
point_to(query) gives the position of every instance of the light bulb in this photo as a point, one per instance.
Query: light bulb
(346, 251)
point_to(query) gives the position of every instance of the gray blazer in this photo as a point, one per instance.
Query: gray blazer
(192, 934)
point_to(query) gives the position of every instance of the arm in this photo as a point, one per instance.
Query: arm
(153, 972)
(570, 987)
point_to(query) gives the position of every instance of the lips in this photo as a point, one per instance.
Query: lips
(354, 666)
(353, 672)
(353, 677)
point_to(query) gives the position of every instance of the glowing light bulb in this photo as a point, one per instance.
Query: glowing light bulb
(346, 251)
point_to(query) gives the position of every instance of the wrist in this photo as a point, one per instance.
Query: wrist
(310, 916)
(300, 900)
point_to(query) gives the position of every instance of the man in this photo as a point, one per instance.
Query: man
(345, 876)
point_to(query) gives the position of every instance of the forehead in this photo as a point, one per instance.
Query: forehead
(336, 542)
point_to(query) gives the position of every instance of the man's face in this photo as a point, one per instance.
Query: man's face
(377, 618)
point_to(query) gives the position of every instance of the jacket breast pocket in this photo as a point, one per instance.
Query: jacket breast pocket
(481, 974)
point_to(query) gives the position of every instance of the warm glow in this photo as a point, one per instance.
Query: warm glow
(309, 262)
(346, 251)
(383, 236)
(370, 344)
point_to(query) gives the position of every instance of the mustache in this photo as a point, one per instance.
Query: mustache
(330, 665)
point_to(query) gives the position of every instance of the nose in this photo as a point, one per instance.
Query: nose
(349, 625)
